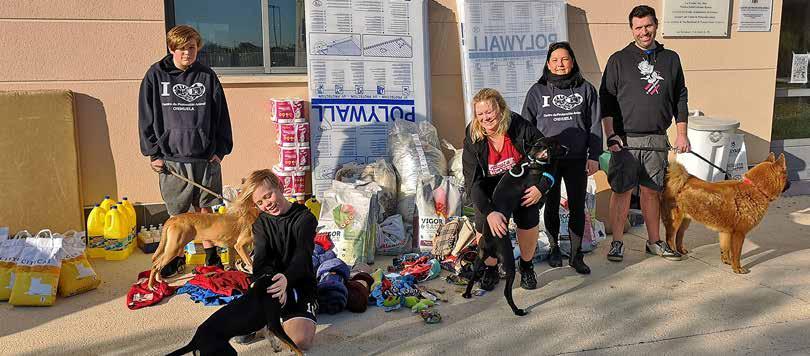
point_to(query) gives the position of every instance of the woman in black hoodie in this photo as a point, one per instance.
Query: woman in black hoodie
(563, 104)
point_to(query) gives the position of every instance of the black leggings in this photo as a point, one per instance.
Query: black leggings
(572, 171)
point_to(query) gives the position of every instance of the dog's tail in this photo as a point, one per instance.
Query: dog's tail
(274, 327)
(183, 350)
(676, 178)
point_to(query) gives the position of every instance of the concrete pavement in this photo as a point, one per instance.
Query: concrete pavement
(644, 305)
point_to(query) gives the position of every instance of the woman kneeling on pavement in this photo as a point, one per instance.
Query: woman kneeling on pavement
(572, 115)
(494, 143)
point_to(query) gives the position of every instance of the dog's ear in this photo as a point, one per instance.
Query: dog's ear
(771, 157)
(781, 161)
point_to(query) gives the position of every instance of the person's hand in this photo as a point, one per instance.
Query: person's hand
(682, 144)
(215, 159)
(615, 143)
(157, 165)
(531, 197)
(497, 223)
(591, 167)
(279, 288)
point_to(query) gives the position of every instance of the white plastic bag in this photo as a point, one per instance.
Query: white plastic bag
(391, 239)
(454, 164)
(347, 215)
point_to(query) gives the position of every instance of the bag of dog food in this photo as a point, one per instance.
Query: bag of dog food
(77, 274)
(437, 199)
(10, 250)
(454, 164)
(347, 212)
(36, 276)
(380, 172)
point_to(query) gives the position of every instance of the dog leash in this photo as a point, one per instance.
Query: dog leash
(656, 149)
(209, 191)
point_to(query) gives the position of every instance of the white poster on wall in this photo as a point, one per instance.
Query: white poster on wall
(368, 66)
(798, 71)
(504, 45)
(755, 15)
(698, 18)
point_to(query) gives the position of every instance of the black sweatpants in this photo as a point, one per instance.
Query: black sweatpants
(572, 171)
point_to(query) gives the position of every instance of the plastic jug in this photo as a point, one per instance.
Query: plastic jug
(314, 206)
(107, 203)
(221, 210)
(130, 217)
(130, 210)
(116, 225)
(95, 221)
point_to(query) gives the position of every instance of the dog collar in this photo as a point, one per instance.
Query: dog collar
(745, 180)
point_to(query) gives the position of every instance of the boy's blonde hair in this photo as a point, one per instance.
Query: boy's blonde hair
(256, 178)
(477, 133)
(180, 36)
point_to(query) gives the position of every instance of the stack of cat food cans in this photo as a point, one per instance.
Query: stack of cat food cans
(292, 137)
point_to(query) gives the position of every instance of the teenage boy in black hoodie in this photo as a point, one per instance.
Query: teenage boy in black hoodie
(643, 88)
(184, 126)
(563, 104)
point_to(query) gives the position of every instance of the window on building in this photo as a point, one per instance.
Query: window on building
(792, 104)
(245, 36)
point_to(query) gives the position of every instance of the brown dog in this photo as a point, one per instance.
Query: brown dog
(732, 208)
(233, 230)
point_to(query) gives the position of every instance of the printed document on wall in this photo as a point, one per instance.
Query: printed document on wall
(368, 66)
(504, 45)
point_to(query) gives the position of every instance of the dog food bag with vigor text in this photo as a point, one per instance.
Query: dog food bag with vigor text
(36, 276)
(77, 274)
(437, 199)
(345, 212)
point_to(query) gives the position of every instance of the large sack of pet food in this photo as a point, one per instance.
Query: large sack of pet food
(437, 199)
(10, 250)
(77, 274)
(347, 215)
(36, 276)
(414, 150)
(454, 164)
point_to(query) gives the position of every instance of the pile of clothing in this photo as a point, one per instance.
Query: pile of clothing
(140, 296)
(211, 285)
(338, 288)
(422, 266)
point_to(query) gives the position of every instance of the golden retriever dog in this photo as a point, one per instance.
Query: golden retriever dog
(732, 207)
(233, 230)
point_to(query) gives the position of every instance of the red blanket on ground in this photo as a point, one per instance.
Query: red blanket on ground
(219, 281)
(140, 295)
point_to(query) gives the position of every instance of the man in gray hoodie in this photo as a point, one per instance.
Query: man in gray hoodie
(643, 88)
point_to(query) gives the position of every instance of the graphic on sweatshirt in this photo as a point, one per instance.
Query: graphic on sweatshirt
(652, 77)
(567, 102)
(189, 93)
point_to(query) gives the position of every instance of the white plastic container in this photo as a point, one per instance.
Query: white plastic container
(710, 138)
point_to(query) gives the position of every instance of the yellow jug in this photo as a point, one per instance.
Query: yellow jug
(107, 203)
(95, 221)
(314, 206)
(130, 223)
(115, 224)
(130, 210)
(221, 210)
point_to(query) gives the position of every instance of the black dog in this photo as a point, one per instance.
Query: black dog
(213, 335)
(506, 198)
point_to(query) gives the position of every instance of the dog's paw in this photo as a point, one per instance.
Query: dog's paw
(741, 270)
(520, 312)
(467, 295)
(725, 259)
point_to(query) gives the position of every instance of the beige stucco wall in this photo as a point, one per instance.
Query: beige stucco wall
(100, 50)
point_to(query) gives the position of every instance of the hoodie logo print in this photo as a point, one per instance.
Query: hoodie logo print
(189, 93)
(652, 77)
(567, 102)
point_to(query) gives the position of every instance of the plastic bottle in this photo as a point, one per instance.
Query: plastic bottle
(130, 210)
(95, 221)
(314, 206)
(115, 225)
(107, 203)
(221, 209)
